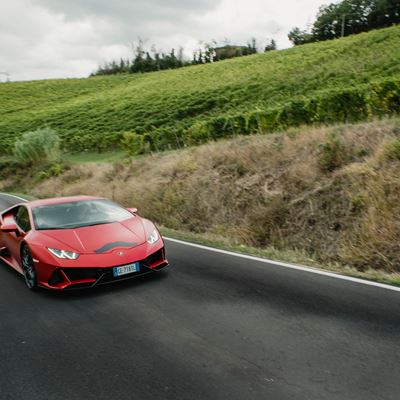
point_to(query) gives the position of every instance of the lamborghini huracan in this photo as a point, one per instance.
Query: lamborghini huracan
(78, 242)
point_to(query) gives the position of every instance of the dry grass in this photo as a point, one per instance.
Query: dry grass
(269, 191)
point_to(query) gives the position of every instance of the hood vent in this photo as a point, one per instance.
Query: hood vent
(113, 245)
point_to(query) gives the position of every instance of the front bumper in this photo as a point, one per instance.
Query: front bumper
(64, 278)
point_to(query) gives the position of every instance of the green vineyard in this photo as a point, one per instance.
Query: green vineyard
(350, 79)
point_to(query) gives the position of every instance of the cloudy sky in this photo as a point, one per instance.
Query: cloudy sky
(69, 38)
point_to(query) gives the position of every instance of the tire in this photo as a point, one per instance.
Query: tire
(28, 268)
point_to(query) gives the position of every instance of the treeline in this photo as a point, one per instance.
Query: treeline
(348, 17)
(154, 60)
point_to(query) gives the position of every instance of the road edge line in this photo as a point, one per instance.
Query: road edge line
(272, 262)
(13, 195)
(287, 265)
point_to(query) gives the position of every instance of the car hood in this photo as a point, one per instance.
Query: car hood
(98, 239)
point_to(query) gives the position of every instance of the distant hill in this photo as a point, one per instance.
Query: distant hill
(341, 80)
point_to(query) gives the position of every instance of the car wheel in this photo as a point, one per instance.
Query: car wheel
(28, 268)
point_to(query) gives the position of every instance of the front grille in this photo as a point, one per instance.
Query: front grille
(56, 278)
(105, 275)
(154, 258)
(108, 275)
(76, 274)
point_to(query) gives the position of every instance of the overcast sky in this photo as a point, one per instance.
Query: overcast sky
(69, 38)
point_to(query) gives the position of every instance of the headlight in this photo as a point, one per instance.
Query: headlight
(153, 237)
(69, 255)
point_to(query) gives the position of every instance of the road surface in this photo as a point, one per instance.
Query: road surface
(214, 326)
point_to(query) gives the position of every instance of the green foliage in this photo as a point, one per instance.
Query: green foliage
(198, 133)
(271, 45)
(332, 153)
(9, 168)
(145, 61)
(37, 147)
(348, 17)
(50, 171)
(334, 81)
(298, 36)
(56, 169)
(132, 143)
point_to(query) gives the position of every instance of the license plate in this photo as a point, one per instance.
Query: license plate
(126, 269)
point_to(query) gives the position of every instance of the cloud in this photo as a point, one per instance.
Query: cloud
(128, 9)
(69, 38)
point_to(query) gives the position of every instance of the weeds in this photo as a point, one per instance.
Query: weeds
(256, 193)
(332, 153)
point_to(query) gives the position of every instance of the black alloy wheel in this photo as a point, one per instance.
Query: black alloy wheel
(28, 268)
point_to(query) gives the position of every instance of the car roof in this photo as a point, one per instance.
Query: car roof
(60, 200)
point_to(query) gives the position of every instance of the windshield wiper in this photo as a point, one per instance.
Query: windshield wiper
(91, 224)
(73, 226)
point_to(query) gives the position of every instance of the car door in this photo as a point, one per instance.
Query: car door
(12, 240)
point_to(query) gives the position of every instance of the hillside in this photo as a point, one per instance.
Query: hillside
(327, 194)
(342, 80)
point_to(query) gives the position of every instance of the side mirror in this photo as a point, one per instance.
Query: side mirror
(132, 210)
(9, 227)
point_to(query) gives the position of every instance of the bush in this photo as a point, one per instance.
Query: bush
(391, 150)
(38, 147)
(198, 133)
(8, 168)
(332, 154)
(132, 143)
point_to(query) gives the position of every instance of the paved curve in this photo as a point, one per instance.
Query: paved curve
(212, 327)
(7, 200)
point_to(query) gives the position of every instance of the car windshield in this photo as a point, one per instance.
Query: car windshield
(78, 214)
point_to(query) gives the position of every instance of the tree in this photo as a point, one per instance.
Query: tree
(138, 62)
(251, 47)
(271, 45)
(298, 37)
(328, 23)
(148, 63)
(180, 58)
(384, 13)
(209, 53)
(349, 17)
(345, 18)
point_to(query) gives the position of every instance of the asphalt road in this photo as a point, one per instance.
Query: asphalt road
(8, 201)
(212, 327)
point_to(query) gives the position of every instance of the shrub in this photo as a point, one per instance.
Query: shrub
(38, 147)
(132, 143)
(391, 150)
(198, 133)
(49, 171)
(332, 153)
(56, 169)
(8, 168)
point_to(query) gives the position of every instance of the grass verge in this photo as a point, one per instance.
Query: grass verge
(323, 196)
(80, 158)
(271, 253)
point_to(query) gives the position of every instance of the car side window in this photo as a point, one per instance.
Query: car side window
(22, 219)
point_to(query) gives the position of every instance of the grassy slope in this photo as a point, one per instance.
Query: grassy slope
(107, 106)
(272, 192)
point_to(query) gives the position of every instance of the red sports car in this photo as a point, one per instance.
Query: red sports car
(77, 242)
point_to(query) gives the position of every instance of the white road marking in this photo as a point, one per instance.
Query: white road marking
(286, 265)
(11, 195)
(267, 261)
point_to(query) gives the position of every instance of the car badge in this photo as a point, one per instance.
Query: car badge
(121, 253)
